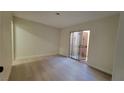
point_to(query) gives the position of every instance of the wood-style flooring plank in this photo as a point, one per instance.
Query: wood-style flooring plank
(56, 68)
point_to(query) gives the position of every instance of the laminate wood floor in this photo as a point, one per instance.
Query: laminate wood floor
(56, 68)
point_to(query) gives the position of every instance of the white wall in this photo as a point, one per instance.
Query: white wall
(118, 72)
(34, 39)
(5, 44)
(102, 41)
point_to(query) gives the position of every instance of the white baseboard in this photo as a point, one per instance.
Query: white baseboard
(103, 70)
(30, 59)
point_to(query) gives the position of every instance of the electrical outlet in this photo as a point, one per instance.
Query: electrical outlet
(1, 68)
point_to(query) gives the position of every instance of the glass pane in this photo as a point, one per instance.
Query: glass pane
(74, 45)
(84, 45)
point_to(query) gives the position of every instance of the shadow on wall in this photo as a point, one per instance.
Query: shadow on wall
(36, 29)
(34, 39)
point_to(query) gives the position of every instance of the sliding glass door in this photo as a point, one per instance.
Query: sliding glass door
(74, 44)
(79, 43)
